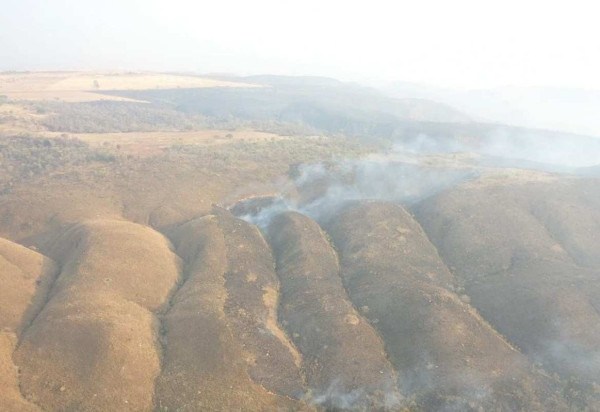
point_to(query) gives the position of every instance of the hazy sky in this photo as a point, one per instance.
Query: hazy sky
(450, 43)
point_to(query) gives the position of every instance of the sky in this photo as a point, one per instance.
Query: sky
(458, 43)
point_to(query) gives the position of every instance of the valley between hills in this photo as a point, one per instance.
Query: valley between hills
(173, 242)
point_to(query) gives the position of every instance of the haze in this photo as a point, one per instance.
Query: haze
(458, 44)
(299, 206)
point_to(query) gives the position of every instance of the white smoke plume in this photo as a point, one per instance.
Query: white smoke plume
(508, 147)
(322, 189)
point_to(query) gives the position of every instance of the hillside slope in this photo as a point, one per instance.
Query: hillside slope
(95, 345)
(211, 358)
(344, 358)
(25, 276)
(435, 266)
(440, 345)
(527, 254)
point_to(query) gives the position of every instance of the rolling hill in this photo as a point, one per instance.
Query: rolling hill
(303, 245)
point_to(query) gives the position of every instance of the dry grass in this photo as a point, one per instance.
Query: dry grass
(17, 118)
(71, 96)
(500, 177)
(94, 346)
(10, 396)
(84, 86)
(527, 254)
(152, 143)
(206, 366)
(25, 277)
(321, 320)
(437, 342)
(127, 327)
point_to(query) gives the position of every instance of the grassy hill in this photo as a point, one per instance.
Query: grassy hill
(303, 245)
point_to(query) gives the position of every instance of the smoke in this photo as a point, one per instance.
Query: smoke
(336, 397)
(413, 169)
(554, 153)
(321, 189)
(570, 351)
(408, 173)
(510, 147)
(262, 216)
(580, 359)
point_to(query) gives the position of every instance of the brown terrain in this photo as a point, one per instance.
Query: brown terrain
(344, 357)
(26, 277)
(88, 86)
(146, 267)
(539, 286)
(435, 339)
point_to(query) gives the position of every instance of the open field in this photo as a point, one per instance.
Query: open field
(84, 87)
(151, 143)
